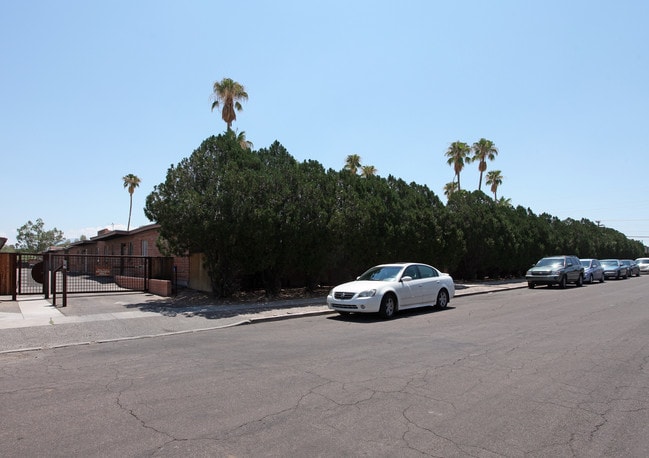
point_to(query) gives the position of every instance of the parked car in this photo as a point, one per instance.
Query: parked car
(613, 268)
(558, 270)
(593, 270)
(388, 288)
(632, 267)
(643, 264)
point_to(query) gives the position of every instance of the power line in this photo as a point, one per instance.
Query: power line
(624, 220)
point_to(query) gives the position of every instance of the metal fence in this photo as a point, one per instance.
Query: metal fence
(30, 274)
(100, 274)
(52, 273)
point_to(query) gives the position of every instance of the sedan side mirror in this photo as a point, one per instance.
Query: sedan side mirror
(406, 278)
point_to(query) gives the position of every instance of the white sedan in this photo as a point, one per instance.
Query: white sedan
(388, 288)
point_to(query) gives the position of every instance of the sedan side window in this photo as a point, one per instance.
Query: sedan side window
(411, 272)
(427, 272)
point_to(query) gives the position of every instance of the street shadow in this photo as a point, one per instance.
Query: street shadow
(369, 318)
(187, 305)
(569, 286)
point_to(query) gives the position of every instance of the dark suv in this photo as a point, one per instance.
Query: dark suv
(558, 270)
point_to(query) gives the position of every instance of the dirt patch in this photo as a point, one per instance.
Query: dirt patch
(190, 297)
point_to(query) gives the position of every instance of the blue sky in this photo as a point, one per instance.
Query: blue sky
(92, 91)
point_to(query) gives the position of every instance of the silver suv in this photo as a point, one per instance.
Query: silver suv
(558, 270)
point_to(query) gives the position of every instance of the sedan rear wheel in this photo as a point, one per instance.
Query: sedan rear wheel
(388, 306)
(442, 299)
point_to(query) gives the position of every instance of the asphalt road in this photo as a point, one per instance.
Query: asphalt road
(543, 372)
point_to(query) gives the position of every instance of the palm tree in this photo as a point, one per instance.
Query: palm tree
(368, 171)
(483, 149)
(449, 189)
(228, 92)
(457, 154)
(131, 182)
(352, 163)
(495, 179)
(240, 138)
(243, 141)
(505, 202)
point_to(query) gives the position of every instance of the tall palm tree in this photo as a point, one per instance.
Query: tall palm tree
(131, 182)
(449, 189)
(352, 163)
(457, 154)
(368, 171)
(483, 149)
(495, 179)
(228, 93)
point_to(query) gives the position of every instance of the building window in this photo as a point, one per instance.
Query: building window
(145, 248)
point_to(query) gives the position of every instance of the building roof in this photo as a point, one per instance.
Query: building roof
(106, 234)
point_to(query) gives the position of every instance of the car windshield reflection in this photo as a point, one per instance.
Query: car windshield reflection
(551, 262)
(385, 273)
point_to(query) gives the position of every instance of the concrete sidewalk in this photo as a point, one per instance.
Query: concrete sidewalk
(32, 323)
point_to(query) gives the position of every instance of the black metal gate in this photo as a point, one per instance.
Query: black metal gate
(54, 273)
(85, 273)
(30, 274)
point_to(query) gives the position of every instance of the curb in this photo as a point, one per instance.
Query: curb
(495, 290)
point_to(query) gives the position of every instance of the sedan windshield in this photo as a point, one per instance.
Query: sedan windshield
(609, 263)
(585, 263)
(381, 273)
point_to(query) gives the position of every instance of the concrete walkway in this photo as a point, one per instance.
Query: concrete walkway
(36, 311)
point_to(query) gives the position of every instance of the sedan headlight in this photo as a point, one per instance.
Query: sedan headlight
(368, 293)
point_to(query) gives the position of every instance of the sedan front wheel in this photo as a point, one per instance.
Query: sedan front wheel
(388, 306)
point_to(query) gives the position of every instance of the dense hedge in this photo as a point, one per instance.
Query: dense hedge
(263, 219)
